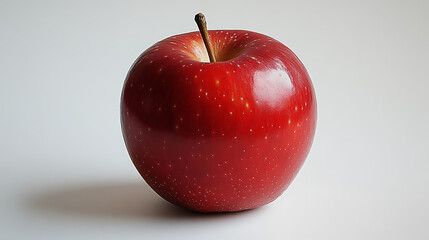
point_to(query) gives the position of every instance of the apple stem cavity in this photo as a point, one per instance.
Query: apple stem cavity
(202, 25)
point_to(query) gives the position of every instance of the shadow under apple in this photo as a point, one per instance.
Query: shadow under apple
(126, 201)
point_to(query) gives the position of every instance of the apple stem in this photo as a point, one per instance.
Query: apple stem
(202, 25)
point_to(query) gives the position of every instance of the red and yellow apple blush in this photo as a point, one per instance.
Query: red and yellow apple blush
(218, 127)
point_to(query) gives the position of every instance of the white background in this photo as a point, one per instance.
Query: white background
(65, 172)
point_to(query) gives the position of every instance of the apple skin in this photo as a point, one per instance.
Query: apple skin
(224, 136)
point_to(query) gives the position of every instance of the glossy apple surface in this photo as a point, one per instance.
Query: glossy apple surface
(223, 136)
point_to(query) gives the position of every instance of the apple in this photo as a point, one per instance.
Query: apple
(220, 136)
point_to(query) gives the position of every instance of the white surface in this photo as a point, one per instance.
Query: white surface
(65, 173)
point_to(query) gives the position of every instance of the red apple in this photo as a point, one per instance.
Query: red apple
(224, 136)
